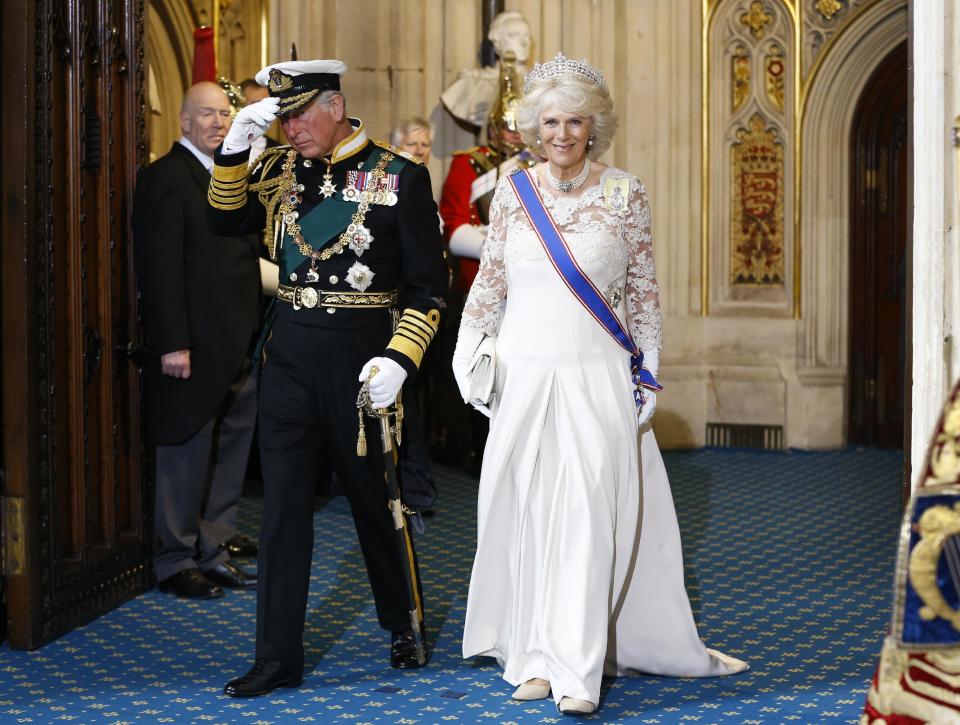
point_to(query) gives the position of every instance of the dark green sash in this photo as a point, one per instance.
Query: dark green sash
(326, 221)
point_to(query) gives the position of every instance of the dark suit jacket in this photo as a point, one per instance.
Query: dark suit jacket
(200, 291)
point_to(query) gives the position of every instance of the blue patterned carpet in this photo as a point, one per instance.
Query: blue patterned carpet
(789, 564)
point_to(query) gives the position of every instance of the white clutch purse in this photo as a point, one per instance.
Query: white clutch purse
(483, 368)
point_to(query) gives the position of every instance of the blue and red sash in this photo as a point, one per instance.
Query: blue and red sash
(576, 279)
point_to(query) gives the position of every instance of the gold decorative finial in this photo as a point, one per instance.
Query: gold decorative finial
(829, 8)
(757, 19)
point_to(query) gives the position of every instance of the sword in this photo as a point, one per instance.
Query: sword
(390, 455)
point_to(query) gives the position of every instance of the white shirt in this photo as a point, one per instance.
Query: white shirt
(207, 161)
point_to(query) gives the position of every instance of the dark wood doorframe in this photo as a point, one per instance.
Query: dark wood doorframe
(878, 384)
(76, 504)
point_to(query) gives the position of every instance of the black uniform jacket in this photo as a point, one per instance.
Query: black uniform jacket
(406, 253)
(200, 291)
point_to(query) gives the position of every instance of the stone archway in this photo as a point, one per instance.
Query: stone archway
(169, 66)
(825, 203)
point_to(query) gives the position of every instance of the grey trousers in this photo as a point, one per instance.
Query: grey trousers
(199, 484)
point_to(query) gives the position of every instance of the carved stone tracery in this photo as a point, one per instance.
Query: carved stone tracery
(750, 155)
(822, 20)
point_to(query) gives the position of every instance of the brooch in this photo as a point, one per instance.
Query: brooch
(615, 194)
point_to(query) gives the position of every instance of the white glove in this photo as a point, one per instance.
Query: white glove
(651, 361)
(468, 340)
(386, 384)
(646, 409)
(467, 240)
(250, 123)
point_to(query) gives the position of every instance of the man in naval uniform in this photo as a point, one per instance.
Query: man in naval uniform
(355, 230)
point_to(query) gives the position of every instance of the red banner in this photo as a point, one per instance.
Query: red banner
(204, 56)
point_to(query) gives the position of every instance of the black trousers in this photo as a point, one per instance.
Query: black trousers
(308, 422)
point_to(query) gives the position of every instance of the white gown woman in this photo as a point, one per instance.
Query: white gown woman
(579, 570)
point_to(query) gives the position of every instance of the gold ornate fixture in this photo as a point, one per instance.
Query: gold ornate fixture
(741, 77)
(775, 68)
(829, 8)
(756, 18)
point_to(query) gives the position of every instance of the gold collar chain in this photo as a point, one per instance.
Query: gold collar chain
(291, 198)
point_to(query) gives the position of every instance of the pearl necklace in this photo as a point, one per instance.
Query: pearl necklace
(568, 185)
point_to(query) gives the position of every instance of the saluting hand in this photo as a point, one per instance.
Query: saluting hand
(386, 384)
(176, 364)
(250, 123)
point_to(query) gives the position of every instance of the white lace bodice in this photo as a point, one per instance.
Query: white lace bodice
(620, 244)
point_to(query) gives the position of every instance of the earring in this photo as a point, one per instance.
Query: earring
(590, 141)
(539, 142)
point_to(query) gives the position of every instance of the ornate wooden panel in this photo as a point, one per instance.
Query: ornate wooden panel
(73, 454)
(877, 388)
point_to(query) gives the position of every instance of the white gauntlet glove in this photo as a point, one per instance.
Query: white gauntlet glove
(651, 361)
(467, 240)
(468, 340)
(386, 384)
(250, 123)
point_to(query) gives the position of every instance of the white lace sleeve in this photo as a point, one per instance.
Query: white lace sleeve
(643, 293)
(488, 295)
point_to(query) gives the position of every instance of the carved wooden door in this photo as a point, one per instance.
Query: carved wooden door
(76, 509)
(878, 387)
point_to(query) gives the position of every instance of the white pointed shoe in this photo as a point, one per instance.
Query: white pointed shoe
(573, 706)
(531, 691)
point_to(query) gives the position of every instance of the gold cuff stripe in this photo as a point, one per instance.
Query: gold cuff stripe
(432, 318)
(230, 173)
(421, 329)
(238, 184)
(227, 193)
(216, 189)
(212, 197)
(227, 207)
(405, 347)
(415, 329)
(414, 336)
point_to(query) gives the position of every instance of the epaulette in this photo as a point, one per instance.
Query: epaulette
(399, 152)
(466, 152)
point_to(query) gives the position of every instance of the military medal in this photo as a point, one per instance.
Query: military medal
(359, 276)
(350, 193)
(390, 184)
(312, 275)
(356, 235)
(328, 188)
(360, 238)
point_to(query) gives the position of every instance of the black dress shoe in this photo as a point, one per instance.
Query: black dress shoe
(240, 545)
(230, 575)
(190, 584)
(403, 651)
(265, 676)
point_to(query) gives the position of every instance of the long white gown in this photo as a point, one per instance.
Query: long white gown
(579, 570)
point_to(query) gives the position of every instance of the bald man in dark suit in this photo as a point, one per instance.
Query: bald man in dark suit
(200, 294)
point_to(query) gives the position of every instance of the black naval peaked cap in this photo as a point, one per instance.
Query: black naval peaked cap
(297, 82)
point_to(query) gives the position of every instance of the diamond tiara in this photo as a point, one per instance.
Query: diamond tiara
(563, 66)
